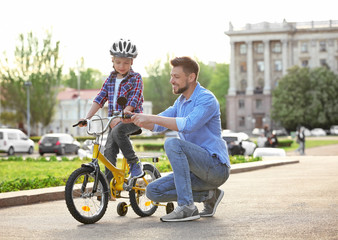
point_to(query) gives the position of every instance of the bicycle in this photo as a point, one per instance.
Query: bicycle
(87, 191)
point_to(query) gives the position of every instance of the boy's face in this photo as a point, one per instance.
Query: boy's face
(122, 65)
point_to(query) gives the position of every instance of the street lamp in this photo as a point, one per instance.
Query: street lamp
(28, 84)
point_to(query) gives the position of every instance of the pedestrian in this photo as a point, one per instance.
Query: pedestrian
(122, 81)
(301, 140)
(199, 158)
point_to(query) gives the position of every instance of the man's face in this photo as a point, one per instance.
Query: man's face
(179, 80)
(122, 65)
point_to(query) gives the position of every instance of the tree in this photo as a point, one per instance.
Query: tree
(37, 62)
(306, 97)
(157, 88)
(219, 85)
(89, 78)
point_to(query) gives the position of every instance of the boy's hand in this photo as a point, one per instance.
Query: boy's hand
(127, 120)
(114, 122)
(82, 122)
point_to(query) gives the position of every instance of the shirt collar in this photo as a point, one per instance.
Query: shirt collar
(193, 95)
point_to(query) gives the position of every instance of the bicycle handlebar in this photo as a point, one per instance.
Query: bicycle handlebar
(88, 122)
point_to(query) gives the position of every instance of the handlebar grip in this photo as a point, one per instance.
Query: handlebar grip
(127, 116)
(84, 122)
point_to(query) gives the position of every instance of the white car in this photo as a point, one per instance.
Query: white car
(14, 140)
(238, 143)
(334, 130)
(317, 132)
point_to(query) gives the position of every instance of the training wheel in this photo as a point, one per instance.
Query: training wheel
(169, 208)
(122, 209)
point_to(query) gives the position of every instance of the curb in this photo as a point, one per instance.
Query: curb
(10, 199)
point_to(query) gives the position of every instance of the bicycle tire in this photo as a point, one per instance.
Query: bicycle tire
(142, 205)
(84, 206)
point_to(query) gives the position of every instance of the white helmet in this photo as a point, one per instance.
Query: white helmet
(123, 48)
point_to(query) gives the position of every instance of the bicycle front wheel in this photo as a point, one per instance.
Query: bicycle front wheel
(84, 205)
(142, 205)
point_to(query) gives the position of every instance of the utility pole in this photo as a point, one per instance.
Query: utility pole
(27, 85)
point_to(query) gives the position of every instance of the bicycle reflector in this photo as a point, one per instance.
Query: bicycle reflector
(86, 208)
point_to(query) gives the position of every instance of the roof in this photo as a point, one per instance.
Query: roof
(71, 93)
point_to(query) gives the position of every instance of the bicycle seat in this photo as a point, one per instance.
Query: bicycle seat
(138, 132)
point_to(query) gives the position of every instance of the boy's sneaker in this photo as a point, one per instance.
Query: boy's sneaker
(136, 170)
(181, 214)
(211, 204)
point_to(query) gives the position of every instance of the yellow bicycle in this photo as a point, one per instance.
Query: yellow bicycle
(87, 189)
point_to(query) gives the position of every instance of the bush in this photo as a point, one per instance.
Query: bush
(285, 143)
(150, 146)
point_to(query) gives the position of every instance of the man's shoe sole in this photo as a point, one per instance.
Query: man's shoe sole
(216, 204)
(181, 219)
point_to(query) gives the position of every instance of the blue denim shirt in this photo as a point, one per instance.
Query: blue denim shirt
(198, 121)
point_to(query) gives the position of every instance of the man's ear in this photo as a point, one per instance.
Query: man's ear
(192, 77)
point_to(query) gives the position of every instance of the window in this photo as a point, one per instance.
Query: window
(260, 66)
(259, 103)
(243, 85)
(278, 65)
(1, 135)
(242, 48)
(241, 103)
(304, 47)
(241, 121)
(260, 48)
(323, 63)
(12, 136)
(322, 46)
(277, 47)
(305, 63)
(243, 66)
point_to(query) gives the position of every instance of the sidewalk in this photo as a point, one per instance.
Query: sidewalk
(24, 197)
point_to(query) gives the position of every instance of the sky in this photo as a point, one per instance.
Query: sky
(158, 27)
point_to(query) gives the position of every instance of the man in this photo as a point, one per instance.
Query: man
(199, 159)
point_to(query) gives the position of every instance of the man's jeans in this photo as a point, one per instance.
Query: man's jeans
(195, 172)
(118, 138)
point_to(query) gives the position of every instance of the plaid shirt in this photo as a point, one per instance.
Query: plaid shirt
(131, 87)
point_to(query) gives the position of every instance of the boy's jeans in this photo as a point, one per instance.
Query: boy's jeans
(195, 172)
(118, 138)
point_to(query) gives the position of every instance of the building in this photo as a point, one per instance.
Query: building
(73, 105)
(260, 56)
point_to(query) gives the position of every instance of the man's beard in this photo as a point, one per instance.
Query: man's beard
(181, 90)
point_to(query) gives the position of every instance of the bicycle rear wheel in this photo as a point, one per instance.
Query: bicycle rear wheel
(142, 205)
(85, 206)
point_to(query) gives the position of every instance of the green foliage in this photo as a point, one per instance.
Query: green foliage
(157, 87)
(37, 62)
(89, 79)
(285, 142)
(306, 97)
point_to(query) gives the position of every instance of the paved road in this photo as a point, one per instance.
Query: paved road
(296, 201)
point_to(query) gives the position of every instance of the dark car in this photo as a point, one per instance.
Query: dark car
(59, 143)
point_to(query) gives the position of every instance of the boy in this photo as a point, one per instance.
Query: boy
(123, 81)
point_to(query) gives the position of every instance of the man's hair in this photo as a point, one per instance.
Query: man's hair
(189, 65)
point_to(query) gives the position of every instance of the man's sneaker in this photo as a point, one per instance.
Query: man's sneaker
(180, 214)
(211, 204)
(136, 170)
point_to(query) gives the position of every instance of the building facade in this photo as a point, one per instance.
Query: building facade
(260, 56)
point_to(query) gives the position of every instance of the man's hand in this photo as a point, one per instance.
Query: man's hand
(142, 120)
(114, 122)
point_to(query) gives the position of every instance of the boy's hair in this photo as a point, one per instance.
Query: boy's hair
(189, 65)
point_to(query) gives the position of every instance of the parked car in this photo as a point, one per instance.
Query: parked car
(14, 140)
(334, 130)
(317, 132)
(281, 132)
(59, 143)
(238, 143)
(171, 134)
